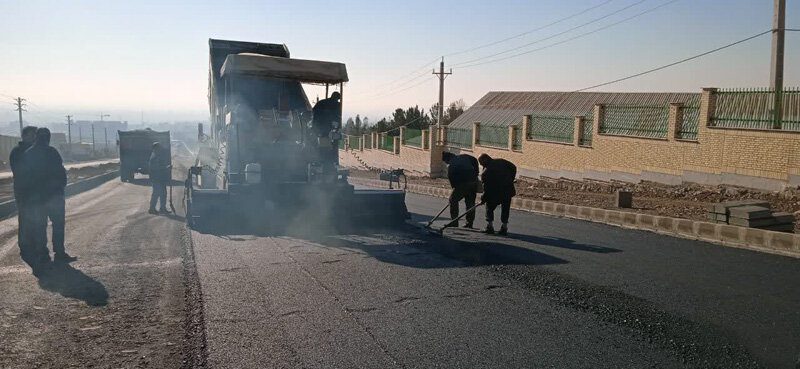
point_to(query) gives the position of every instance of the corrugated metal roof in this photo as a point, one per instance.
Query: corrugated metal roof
(504, 108)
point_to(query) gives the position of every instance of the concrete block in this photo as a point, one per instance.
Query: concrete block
(755, 237)
(724, 207)
(752, 223)
(783, 218)
(571, 210)
(717, 217)
(623, 199)
(629, 219)
(645, 221)
(549, 207)
(584, 212)
(705, 230)
(599, 215)
(538, 206)
(665, 224)
(779, 228)
(685, 227)
(614, 217)
(527, 204)
(560, 209)
(781, 241)
(797, 243)
(750, 212)
(517, 203)
(731, 233)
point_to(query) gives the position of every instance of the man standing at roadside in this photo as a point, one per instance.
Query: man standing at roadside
(498, 189)
(462, 172)
(33, 254)
(49, 179)
(159, 177)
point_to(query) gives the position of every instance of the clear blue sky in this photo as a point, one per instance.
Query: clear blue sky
(84, 57)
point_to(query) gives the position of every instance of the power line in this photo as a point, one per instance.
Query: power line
(551, 36)
(572, 38)
(674, 63)
(530, 31)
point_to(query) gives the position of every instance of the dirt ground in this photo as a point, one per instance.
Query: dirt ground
(687, 201)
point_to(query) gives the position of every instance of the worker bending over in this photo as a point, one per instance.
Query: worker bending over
(498, 189)
(462, 172)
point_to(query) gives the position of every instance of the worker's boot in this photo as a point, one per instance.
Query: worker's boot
(163, 211)
(63, 257)
(452, 224)
(503, 229)
(468, 225)
(489, 229)
(152, 211)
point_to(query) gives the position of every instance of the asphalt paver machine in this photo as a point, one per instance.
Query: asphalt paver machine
(264, 159)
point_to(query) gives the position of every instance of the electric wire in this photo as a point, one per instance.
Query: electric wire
(529, 31)
(551, 36)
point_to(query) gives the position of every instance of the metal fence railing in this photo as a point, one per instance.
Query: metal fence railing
(459, 137)
(585, 135)
(354, 142)
(493, 136)
(368, 141)
(341, 144)
(517, 144)
(387, 143)
(412, 137)
(689, 123)
(551, 128)
(755, 109)
(636, 121)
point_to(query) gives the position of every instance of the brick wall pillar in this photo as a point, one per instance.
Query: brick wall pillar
(576, 136)
(361, 144)
(397, 145)
(708, 105)
(675, 119)
(526, 122)
(375, 139)
(476, 134)
(403, 135)
(426, 139)
(599, 115)
(511, 136)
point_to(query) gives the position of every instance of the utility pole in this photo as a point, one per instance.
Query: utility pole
(93, 136)
(20, 108)
(69, 135)
(776, 67)
(105, 132)
(441, 75)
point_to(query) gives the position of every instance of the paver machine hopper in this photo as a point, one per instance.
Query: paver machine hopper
(267, 159)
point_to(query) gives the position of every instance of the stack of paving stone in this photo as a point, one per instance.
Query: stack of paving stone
(751, 214)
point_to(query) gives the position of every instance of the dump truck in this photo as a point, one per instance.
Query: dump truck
(265, 159)
(135, 148)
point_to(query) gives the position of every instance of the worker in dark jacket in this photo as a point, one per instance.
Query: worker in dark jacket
(327, 114)
(498, 189)
(32, 254)
(462, 172)
(159, 177)
(48, 181)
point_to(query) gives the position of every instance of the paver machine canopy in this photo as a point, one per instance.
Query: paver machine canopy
(268, 152)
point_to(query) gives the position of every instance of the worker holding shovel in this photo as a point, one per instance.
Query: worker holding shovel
(462, 171)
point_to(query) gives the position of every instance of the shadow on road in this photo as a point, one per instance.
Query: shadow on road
(146, 182)
(73, 283)
(564, 243)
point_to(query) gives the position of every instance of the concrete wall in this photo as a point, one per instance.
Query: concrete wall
(768, 160)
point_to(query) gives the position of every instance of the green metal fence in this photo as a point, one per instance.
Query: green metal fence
(636, 121)
(368, 141)
(341, 144)
(551, 128)
(517, 144)
(585, 135)
(412, 137)
(493, 136)
(755, 109)
(459, 137)
(689, 123)
(354, 142)
(387, 143)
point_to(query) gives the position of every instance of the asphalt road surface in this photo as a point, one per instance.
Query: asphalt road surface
(557, 293)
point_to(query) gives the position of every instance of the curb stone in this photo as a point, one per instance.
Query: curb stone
(780, 243)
